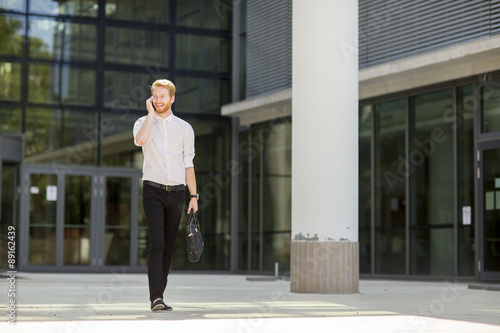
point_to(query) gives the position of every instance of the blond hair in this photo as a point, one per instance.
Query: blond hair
(165, 84)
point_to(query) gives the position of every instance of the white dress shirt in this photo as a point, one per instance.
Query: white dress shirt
(169, 150)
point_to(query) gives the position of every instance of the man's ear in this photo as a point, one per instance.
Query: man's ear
(172, 99)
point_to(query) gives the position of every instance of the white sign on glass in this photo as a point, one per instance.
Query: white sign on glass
(466, 215)
(51, 193)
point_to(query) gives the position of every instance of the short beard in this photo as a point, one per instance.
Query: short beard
(164, 109)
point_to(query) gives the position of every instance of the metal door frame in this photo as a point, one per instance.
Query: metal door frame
(483, 141)
(481, 147)
(98, 191)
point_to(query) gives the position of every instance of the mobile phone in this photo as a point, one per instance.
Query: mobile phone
(152, 104)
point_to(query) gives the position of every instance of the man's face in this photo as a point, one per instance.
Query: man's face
(162, 100)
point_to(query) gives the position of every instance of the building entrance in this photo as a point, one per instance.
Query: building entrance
(488, 175)
(79, 218)
(489, 213)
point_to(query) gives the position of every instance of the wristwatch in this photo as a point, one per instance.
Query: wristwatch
(197, 196)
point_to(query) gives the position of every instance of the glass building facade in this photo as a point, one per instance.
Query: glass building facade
(418, 176)
(264, 228)
(408, 154)
(74, 78)
(428, 139)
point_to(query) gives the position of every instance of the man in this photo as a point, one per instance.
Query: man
(168, 147)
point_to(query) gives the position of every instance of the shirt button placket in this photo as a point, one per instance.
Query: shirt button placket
(165, 132)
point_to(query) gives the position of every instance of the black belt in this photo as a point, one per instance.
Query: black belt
(168, 188)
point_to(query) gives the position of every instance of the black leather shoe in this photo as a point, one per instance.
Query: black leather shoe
(158, 305)
(167, 307)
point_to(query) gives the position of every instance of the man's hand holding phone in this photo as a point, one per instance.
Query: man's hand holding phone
(150, 106)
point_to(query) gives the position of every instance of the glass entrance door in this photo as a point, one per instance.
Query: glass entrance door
(80, 219)
(77, 220)
(488, 145)
(117, 221)
(42, 220)
(489, 226)
(8, 211)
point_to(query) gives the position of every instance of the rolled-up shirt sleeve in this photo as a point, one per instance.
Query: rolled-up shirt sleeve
(137, 127)
(189, 148)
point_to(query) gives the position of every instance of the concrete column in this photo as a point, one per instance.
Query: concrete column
(324, 250)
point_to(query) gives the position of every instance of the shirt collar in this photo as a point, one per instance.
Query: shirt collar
(169, 119)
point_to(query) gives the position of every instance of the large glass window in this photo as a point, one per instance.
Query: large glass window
(205, 14)
(59, 40)
(12, 35)
(430, 167)
(137, 46)
(490, 106)
(202, 53)
(265, 224)
(365, 206)
(196, 95)
(87, 8)
(11, 119)
(127, 90)
(390, 187)
(118, 148)
(465, 179)
(150, 11)
(10, 81)
(17, 5)
(61, 136)
(277, 194)
(61, 84)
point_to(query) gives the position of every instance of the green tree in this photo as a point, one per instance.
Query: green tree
(11, 36)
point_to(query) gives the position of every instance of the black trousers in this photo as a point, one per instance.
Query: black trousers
(163, 212)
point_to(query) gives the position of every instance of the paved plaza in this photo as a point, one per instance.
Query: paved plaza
(119, 302)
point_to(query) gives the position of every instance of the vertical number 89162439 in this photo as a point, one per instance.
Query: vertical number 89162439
(11, 236)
